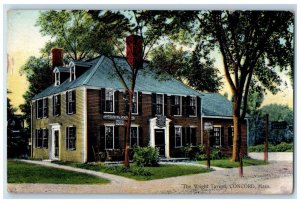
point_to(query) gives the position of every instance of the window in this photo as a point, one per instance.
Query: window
(71, 138)
(159, 104)
(134, 137)
(177, 106)
(72, 73)
(217, 136)
(109, 137)
(41, 138)
(56, 105)
(45, 107)
(193, 106)
(135, 103)
(57, 78)
(71, 104)
(178, 137)
(230, 136)
(39, 108)
(109, 100)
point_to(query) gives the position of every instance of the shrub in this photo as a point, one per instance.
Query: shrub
(146, 156)
(282, 147)
(215, 154)
(139, 171)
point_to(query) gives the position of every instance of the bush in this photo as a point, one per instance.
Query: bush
(215, 154)
(139, 171)
(146, 156)
(282, 147)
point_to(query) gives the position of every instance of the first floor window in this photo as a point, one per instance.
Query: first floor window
(134, 141)
(109, 137)
(71, 138)
(230, 136)
(41, 138)
(178, 137)
(217, 136)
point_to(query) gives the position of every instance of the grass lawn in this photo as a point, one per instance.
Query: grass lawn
(145, 173)
(227, 163)
(20, 172)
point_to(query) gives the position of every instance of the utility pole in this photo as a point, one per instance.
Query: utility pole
(266, 138)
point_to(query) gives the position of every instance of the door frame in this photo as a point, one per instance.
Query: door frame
(164, 136)
(152, 127)
(55, 127)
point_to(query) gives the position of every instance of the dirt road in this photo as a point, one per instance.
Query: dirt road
(275, 178)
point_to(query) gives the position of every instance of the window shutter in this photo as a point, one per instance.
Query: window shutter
(102, 101)
(188, 136)
(116, 104)
(47, 107)
(140, 103)
(59, 104)
(74, 131)
(172, 105)
(67, 137)
(141, 144)
(229, 136)
(183, 135)
(153, 98)
(35, 138)
(172, 137)
(47, 138)
(102, 137)
(183, 106)
(212, 139)
(116, 137)
(199, 107)
(187, 106)
(222, 136)
(67, 106)
(53, 106)
(166, 112)
(74, 99)
(126, 97)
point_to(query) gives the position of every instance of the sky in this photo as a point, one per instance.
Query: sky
(24, 40)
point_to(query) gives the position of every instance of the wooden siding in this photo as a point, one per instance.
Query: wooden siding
(64, 120)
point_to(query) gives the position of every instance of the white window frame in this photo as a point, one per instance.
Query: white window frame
(220, 127)
(67, 137)
(113, 102)
(163, 103)
(70, 92)
(180, 104)
(196, 108)
(137, 103)
(37, 109)
(57, 79)
(113, 127)
(71, 67)
(137, 135)
(178, 126)
(43, 107)
(53, 103)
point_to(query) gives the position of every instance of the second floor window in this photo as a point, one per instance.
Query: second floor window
(134, 103)
(159, 104)
(109, 100)
(193, 106)
(56, 105)
(176, 105)
(71, 102)
(42, 108)
(45, 107)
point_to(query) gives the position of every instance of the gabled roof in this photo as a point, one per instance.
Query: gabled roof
(101, 74)
(215, 104)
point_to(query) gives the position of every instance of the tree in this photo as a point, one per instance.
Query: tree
(10, 109)
(75, 32)
(196, 68)
(37, 72)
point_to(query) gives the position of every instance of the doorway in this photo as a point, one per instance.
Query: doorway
(160, 141)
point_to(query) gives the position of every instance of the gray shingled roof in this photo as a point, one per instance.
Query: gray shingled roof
(101, 74)
(215, 104)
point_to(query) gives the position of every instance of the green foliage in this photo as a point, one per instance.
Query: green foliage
(278, 112)
(20, 172)
(140, 171)
(282, 147)
(146, 156)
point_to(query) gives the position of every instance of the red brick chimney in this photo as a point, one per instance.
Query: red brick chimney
(134, 50)
(56, 57)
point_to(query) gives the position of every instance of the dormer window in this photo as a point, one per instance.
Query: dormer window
(57, 78)
(72, 73)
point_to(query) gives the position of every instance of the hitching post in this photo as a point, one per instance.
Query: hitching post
(208, 148)
(266, 138)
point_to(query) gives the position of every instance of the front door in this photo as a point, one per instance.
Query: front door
(160, 141)
(56, 143)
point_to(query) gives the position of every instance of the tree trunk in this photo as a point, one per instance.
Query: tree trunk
(128, 125)
(235, 148)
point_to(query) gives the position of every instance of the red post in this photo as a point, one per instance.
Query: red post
(266, 138)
